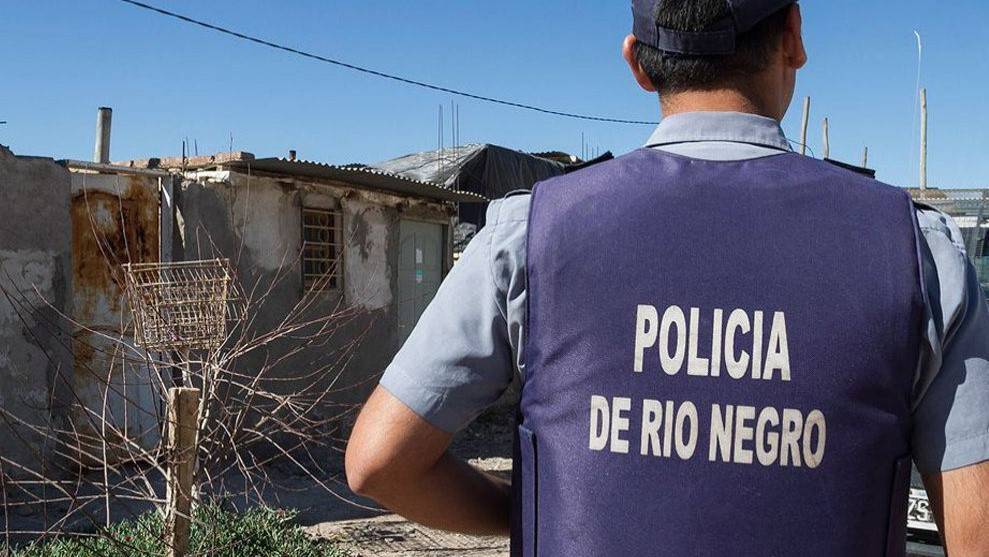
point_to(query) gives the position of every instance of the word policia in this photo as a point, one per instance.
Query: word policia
(738, 364)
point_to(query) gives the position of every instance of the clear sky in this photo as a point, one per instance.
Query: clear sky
(167, 81)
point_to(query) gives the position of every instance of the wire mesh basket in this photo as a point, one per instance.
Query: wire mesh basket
(181, 306)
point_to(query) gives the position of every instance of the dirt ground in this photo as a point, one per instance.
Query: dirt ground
(391, 536)
(487, 444)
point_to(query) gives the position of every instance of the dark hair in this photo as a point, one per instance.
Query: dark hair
(675, 73)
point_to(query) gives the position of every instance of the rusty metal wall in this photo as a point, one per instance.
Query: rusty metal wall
(115, 220)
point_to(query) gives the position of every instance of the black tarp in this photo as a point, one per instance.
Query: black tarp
(487, 170)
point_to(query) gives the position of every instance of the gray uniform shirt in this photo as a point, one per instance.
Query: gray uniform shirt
(468, 344)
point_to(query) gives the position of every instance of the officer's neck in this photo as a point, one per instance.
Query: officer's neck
(720, 100)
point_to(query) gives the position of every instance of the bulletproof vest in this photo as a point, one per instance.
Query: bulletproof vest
(719, 361)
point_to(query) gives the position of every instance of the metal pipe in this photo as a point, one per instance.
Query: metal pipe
(101, 153)
(111, 169)
(827, 139)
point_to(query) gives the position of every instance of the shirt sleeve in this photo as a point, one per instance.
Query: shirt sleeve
(465, 350)
(951, 416)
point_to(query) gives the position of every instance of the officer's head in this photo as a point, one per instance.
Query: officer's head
(697, 52)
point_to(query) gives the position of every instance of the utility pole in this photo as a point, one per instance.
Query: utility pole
(827, 140)
(923, 139)
(803, 127)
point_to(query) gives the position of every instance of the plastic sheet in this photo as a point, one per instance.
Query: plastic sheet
(487, 170)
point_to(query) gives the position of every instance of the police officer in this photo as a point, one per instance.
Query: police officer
(726, 348)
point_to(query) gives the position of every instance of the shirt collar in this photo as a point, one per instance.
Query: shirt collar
(735, 127)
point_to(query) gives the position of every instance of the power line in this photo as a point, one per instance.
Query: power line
(369, 71)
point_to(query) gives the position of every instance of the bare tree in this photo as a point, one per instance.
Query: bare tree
(271, 399)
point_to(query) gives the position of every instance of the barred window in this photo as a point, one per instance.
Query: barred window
(321, 261)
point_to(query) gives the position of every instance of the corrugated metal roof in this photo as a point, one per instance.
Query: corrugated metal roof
(368, 177)
(952, 194)
(960, 204)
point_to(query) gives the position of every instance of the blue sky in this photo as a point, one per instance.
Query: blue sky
(167, 81)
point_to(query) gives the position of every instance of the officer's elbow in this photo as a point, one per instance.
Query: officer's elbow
(357, 478)
(366, 475)
(390, 449)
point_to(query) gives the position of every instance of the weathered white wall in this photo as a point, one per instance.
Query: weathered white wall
(367, 267)
(259, 219)
(264, 215)
(27, 278)
(35, 264)
(256, 222)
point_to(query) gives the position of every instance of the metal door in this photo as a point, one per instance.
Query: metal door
(115, 220)
(420, 270)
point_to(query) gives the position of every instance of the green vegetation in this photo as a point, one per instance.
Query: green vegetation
(215, 533)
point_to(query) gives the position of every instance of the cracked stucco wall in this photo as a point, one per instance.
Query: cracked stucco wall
(35, 276)
(256, 222)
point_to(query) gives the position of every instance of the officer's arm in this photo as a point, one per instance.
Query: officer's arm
(951, 421)
(960, 499)
(401, 460)
(457, 361)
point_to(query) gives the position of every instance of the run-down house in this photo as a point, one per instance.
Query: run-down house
(362, 244)
(355, 241)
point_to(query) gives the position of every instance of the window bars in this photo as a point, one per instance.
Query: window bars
(320, 249)
(181, 306)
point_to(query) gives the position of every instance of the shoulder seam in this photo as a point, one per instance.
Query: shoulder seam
(501, 208)
(491, 262)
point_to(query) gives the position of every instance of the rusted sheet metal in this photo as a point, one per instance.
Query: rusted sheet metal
(110, 228)
(115, 220)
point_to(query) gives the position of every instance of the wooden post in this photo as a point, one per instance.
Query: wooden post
(183, 444)
(923, 139)
(827, 140)
(803, 127)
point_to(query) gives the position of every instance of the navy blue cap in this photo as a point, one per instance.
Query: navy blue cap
(718, 39)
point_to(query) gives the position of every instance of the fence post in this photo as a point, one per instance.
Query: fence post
(803, 126)
(923, 139)
(183, 410)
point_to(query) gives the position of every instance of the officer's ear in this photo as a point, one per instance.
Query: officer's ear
(628, 53)
(793, 39)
